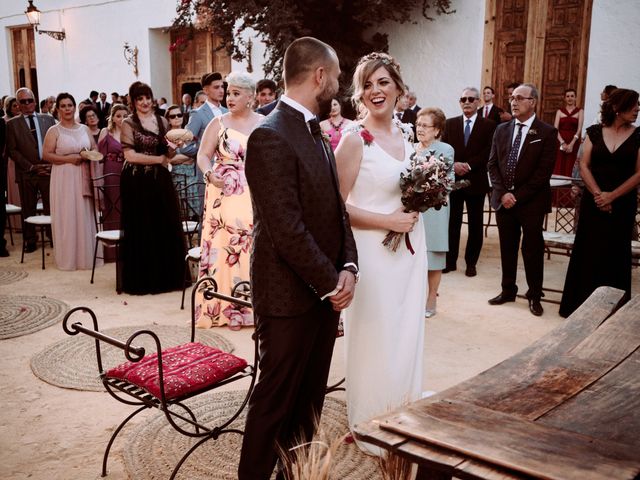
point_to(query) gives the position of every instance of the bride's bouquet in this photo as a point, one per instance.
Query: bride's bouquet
(426, 184)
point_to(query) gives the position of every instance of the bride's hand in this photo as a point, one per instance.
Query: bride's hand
(401, 221)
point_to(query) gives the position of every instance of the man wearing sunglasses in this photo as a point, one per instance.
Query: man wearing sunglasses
(522, 158)
(470, 136)
(25, 134)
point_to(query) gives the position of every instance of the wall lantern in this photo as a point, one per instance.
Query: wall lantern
(131, 56)
(33, 15)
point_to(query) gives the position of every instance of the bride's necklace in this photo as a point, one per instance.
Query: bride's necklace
(336, 127)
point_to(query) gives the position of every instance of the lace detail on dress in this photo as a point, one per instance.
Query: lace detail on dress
(407, 130)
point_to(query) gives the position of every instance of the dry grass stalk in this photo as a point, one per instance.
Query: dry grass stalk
(395, 467)
(312, 460)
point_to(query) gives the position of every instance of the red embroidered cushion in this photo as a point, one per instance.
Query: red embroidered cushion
(187, 368)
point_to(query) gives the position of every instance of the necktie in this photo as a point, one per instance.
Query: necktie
(399, 115)
(316, 132)
(512, 159)
(467, 131)
(32, 127)
(486, 111)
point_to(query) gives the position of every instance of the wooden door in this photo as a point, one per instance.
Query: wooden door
(509, 46)
(565, 53)
(25, 73)
(544, 42)
(193, 59)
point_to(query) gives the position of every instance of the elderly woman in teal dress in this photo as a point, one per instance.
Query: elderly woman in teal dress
(430, 124)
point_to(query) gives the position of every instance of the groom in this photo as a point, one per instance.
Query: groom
(304, 261)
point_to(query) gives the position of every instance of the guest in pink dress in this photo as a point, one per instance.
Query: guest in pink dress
(110, 147)
(72, 222)
(335, 124)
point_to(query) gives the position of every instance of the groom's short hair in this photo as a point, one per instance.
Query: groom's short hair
(304, 55)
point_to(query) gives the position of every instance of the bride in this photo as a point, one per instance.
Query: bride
(384, 326)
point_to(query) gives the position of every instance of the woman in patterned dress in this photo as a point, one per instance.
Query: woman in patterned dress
(227, 224)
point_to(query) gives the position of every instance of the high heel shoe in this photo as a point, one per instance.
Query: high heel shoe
(430, 312)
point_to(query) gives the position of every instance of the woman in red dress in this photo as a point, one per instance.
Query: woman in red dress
(569, 120)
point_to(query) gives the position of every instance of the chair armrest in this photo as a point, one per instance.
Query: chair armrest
(132, 353)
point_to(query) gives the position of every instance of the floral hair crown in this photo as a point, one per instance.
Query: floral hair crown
(382, 57)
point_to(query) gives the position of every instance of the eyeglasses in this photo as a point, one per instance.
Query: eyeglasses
(175, 115)
(468, 99)
(424, 125)
(26, 101)
(518, 98)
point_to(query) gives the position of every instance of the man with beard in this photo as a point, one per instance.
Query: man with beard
(304, 261)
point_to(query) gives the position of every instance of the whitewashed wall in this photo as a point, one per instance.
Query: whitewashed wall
(614, 50)
(440, 58)
(91, 57)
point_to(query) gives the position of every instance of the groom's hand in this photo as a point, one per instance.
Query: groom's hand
(346, 287)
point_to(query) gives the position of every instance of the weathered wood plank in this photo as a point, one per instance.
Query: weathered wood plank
(609, 409)
(514, 443)
(371, 432)
(474, 469)
(503, 386)
(616, 338)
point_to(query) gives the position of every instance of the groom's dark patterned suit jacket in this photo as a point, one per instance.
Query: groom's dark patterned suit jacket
(302, 235)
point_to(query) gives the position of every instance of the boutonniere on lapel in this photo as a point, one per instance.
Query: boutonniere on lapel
(366, 136)
(326, 139)
(532, 131)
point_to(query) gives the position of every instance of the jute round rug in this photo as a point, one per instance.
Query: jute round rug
(153, 447)
(10, 276)
(72, 363)
(24, 314)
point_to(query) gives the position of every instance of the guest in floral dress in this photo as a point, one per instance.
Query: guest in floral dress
(227, 225)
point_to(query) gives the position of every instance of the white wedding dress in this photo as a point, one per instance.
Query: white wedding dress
(384, 325)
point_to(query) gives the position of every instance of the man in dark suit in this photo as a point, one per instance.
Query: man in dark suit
(413, 99)
(489, 110)
(470, 136)
(520, 165)
(104, 108)
(25, 134)
(304, 261)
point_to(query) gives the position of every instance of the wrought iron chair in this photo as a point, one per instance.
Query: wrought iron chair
(151, 380)
(106, 214)
(43, 222)
(12, 210)
(190, 198)
(566, 212)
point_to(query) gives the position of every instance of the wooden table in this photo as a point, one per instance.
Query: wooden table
(566, 407)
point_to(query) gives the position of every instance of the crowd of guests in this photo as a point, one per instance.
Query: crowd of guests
(308, 217)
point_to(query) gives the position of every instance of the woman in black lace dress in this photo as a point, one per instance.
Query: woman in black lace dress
(153, 247)
(610, 168)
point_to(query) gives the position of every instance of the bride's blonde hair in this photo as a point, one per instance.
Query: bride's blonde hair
(369, 64)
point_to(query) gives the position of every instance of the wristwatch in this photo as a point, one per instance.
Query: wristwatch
(354, 270)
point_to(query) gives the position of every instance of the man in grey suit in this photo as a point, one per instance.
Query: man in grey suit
(303, 263)
(25, 134)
